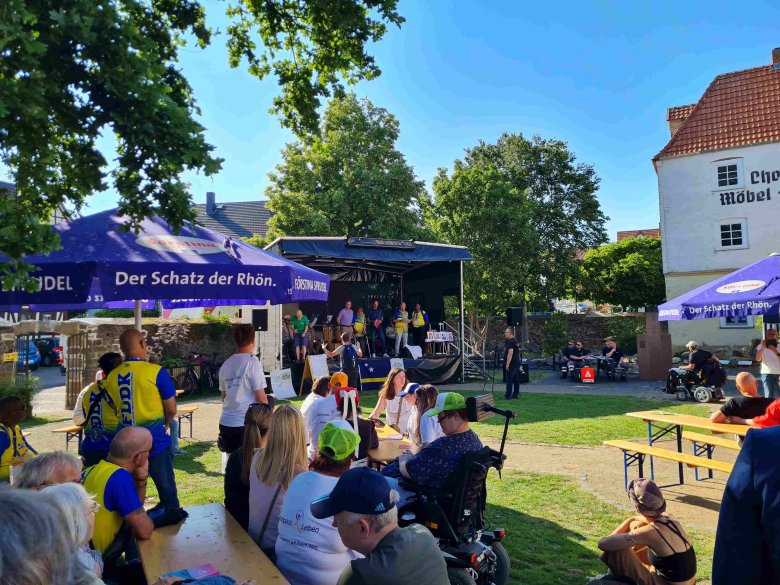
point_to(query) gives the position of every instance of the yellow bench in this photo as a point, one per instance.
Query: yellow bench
(636, 453)
(705, 445)
(71, 432)
(185, 412)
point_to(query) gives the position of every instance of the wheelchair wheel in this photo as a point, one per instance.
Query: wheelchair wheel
(501, 576)
(702, 394)
(682, 393)
(460, 577)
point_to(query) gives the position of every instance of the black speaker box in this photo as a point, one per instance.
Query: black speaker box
(514, 316)
(260, 319)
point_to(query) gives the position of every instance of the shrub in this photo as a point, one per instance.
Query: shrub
(556, 333)
(25, 390)
(219, 325)
(624, 330)
(125, 313)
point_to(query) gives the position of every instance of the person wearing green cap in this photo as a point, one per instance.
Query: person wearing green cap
(309, 550)
(434, 464)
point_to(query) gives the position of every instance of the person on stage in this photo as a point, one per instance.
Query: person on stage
(419, 326)
(345, 319)
(401, 322)
(359, 329)
(300, 325)
(376, 332)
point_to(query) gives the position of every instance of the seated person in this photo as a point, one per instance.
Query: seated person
(433, 465)
(650, 548)
(348, 405)
(119, 485)
(50, 468)
(747, 406)
(614, 355)
(578, 358)
(14, 448)
(364, 511)
(696, 359)
(565, 352)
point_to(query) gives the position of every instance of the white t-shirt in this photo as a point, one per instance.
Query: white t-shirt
(260, 498)
(309, 551)
(430, 429)
(318, 415)
(770, 363)
(308, 401)
(397, 412)
(240, 377)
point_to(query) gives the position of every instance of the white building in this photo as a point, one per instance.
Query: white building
(719, 191)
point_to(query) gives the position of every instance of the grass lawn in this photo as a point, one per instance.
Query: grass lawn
(552, 525)
(36, 421)
(566, 419)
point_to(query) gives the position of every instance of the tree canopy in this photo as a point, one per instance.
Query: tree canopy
(73, 70)
(627, 273)
(523, 207)
(349, 179)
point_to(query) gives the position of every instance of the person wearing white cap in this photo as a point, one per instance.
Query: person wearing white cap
(697, 357)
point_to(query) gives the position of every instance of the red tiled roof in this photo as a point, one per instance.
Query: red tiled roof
(737, 109)
(651, 233)
(679, 112)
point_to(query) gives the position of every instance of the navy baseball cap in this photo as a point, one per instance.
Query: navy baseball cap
(411, 388)
(360, 490)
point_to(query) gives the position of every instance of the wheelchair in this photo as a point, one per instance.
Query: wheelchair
(686, 384)
(455, 513)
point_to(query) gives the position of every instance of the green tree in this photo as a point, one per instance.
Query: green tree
(73, 70)
(627, 273)
(523, 208)
(350, 179)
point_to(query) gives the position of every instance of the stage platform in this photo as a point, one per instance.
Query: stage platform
(435, 369)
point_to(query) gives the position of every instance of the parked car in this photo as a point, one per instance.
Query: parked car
(28, 354)
(51, 351)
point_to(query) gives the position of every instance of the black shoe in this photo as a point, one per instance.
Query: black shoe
(516, 397)
(507, 398)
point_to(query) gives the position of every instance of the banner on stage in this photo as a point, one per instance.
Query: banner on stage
(439, 336)
(373, 373)
(281, 384)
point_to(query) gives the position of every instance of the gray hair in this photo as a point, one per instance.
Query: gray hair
(38, 471)
(379, 521)
(75, 504)
(35, 547)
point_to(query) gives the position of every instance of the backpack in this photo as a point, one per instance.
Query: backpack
(349, 358)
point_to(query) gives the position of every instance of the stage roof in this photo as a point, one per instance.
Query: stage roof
(347, 256)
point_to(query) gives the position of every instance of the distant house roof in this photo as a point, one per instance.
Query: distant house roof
(737, 109)
(651, 233)
(239, 220)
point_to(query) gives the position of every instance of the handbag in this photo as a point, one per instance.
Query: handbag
(268, 515)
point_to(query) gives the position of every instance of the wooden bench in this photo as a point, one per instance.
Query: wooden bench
(185, 412)
(71, 432)
(705, 445)
(636, 453)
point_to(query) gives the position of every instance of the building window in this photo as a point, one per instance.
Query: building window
(732, 235)
(727, 174)
(736, 322)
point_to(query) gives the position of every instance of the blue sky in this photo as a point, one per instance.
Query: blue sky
(598, 75)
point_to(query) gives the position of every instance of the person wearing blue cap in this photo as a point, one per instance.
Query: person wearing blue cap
(364, 511)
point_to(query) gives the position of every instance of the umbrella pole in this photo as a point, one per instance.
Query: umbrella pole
(137, 315)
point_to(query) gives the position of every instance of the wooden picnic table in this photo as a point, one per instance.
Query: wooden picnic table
(209, 535)
(661, 423)
(388, 450)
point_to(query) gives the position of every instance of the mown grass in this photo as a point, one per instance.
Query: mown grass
(566, 419)
(552, 525)
(36, 421)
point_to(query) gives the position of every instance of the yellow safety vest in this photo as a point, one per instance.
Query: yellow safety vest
(418, 319)
(16, 453)
(359, 326)
(101, 426)
(107, 523)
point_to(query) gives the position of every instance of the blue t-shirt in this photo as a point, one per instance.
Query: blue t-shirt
(434, 464)
(120, 495)
(5, 442)
(375, 314)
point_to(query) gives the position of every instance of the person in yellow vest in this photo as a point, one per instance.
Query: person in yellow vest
(401, 322)
(145, 395)
(99, 413)
(118, 484)
(359, 328)
(419, 326)
(14, 448)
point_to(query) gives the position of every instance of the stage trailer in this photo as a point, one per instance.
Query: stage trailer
(364, 269)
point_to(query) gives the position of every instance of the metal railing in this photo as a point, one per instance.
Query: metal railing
(474, 355)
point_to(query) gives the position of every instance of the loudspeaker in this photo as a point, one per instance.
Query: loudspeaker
(514, 316)
(523, 374)
(260, 319)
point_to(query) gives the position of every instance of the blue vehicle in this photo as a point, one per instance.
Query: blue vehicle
(28, 354)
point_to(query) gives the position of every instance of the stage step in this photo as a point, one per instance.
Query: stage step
(473, 370)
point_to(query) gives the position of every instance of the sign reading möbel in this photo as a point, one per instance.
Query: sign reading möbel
(180, 244)
(740, 286)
